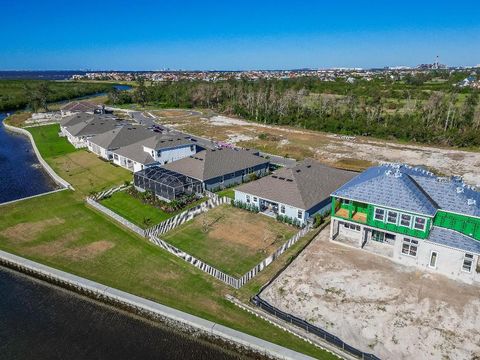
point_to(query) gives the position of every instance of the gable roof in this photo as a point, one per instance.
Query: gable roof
(209, 164)
(165, 141)
(80, 106)
(303, 186)
(122, 136)
(136, 153)
(94, 126)
(411, 189)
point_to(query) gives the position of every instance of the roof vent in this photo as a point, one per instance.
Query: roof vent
(397, 174)
(388, 172)
(471, 202)
(298, 170)
(289, 180)
(275, 176)
(309, 166)
(460, 190)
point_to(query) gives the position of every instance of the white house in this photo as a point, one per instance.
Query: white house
(79, 128)
(297, 193)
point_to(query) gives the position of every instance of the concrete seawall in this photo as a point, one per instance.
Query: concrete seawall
(141, 306)
(47, 167)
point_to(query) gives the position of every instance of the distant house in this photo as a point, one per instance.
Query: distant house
(136, 147)
(297, 193)
(160, 149)
(205, 170)
(105, 144)
(79, 128)
(80, 107)
(413, 217)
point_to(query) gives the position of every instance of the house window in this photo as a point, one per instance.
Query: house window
(282, 209)
(390, 238)
(433, 259)
(379, 214)
(378, 236)
(255, 199)
(409, 247)
(420, 223)
(467, 262)
(115, 156)
(352, 226)
(192, 147)
(248, 199)
(159, 153)
(405, 220)
(300, 214)
(347, 202)
(392, 217)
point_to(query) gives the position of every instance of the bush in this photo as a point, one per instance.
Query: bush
(248, 207)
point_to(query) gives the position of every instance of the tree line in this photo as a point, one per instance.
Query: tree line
(435, 113)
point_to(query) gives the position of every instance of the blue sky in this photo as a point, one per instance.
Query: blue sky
(151, 35)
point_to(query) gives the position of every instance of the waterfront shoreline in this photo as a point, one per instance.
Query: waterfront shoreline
(176, 319)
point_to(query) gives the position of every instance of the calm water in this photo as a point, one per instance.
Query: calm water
(39, 322)
(20, 173)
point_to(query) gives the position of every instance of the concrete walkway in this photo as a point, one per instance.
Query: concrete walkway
(142, 305)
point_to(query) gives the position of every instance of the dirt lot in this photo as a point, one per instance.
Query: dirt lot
(232, 239)
(378, 306)
(354, 153)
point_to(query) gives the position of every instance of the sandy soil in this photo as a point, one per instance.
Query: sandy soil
(378, 306)
(342, 151)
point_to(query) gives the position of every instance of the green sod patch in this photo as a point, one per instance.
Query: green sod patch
(49, 143)
(228, 193)
(232, 240)
(134, 210)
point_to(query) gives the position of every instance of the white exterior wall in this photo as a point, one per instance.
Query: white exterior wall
(77, 142)
(168, 155)
(449, 260)
(104, 153)
(290, 211)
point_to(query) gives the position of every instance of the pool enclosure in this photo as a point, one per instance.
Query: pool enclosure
(167, 185)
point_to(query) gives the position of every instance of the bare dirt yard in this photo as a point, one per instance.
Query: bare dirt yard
(378, 306)
(355, 153)
(232, 239)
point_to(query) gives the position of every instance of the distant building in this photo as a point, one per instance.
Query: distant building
(81, 127)
(135, 147)
(80, 107)
(413, 217)
(297, 193)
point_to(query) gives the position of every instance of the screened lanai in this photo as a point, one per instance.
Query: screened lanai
(166, 184)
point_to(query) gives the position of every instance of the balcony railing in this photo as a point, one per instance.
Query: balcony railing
(358, 216)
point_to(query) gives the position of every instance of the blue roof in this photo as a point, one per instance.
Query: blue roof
(454, 239)
(385, 186)
(411, 189)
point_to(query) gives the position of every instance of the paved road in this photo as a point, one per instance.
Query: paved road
(139, 117)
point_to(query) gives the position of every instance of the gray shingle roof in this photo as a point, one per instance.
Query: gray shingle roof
(122, 136)
(303, 186)
(165, 141)
(454, 239)
(209, 164)
(135, 152)
(93, 126)
(80, 106)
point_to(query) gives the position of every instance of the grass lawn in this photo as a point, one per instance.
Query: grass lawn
(228, 193)
(59, 230)
(134, 210)
(49, 143)
(231, 239)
